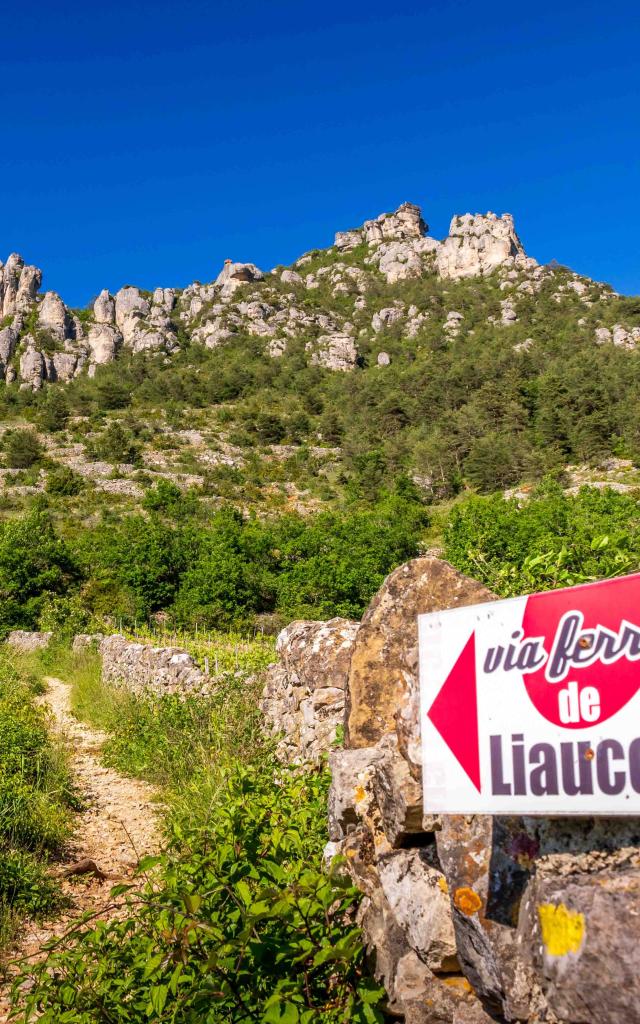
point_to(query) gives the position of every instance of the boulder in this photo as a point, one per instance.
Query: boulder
(383, 675)
(418, 897)
(405, 223)
(385, 317)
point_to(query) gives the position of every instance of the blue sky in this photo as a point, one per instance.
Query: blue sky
(146, 142)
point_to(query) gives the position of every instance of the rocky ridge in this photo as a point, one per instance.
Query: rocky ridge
(42, 340)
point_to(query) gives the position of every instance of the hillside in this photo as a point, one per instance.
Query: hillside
(271, 445)
(455, 363)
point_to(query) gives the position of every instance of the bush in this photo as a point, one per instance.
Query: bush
(22, 449)
(551, 540)
(64, 482)
(240, 926)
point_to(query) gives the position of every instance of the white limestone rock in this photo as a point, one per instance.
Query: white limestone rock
(53, 316)
(508, 313)
(234, 275)
(104, 341)
(291, 277)
(333, 351)
(28, 285)
(385, 317)
(8, 342)
(129, 305)
(165, 298)
(477, 244)
(32, 370)
(104, 308)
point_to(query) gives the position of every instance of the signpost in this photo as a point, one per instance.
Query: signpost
(532, 705)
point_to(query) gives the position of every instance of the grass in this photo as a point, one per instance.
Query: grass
(238, 922)
(185, 747)
(36, 800)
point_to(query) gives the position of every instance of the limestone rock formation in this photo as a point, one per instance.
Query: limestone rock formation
(103, 340)
(383, 670)
(104, 308)
(33, 368)
(233, 275)
(18, 285)
(334, 352)
(53, 316)
(404, 223)
(477, 244)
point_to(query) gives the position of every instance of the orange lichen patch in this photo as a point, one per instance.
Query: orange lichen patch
(360, 794)
(466, 900)
(459, 983)
(442, 885)
(352, 853)
(562, 929)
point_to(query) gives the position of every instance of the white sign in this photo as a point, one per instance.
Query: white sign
(531, 705)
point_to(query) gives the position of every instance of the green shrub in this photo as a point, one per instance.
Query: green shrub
(240, 926)
(550, 540)
(22, 449)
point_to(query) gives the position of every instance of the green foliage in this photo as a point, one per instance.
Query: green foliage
(22, 449)
(34, 563)
(35, 795)
(238, 927)
(64, 482)
(236, 921)
(551, 540)
(116, 445)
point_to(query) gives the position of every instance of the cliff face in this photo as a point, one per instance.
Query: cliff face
(42, 340)
(466, 918)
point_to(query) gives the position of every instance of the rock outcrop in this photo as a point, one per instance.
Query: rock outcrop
(477, 244)
(466, 918)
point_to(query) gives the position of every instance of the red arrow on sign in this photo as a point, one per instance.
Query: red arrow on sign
(454, 712)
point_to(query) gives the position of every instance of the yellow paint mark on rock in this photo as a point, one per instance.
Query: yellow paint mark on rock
(562, 929)
(467, 900)
(442, 885)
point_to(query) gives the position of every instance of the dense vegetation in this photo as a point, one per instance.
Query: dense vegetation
(225, 570)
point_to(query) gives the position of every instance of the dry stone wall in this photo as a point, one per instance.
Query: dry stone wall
(303, 700)
(467, 919)
(141, 667)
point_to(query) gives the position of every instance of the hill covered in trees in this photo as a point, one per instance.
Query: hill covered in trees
(271, 444)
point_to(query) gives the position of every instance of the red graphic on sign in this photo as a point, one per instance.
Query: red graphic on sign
(606, 637)
(454, 712)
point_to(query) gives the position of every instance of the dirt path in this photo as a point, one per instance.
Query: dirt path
(117, 827)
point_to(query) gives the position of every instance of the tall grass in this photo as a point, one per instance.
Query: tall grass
(36, 797)
(183, 746)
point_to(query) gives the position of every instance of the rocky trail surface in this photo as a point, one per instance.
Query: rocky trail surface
(117, 827)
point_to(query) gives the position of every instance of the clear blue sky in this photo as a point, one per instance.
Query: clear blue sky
(145, 142)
